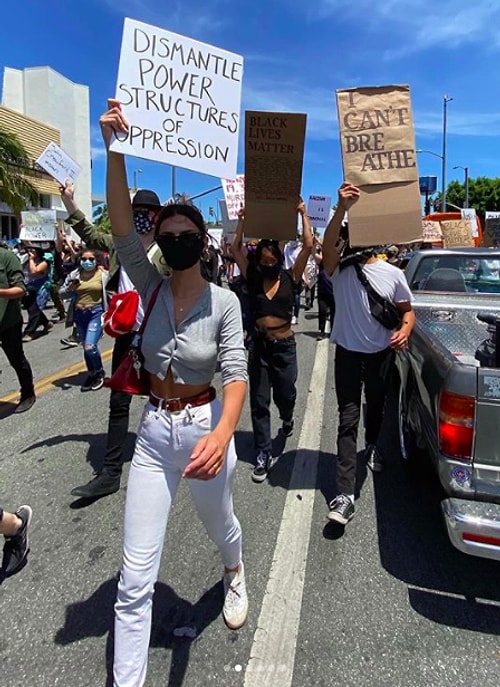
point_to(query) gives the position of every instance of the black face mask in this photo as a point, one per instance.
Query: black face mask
(181, 252)
(270, 272)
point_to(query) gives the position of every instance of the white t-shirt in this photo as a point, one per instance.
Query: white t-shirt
(354, 327)
(290, 253)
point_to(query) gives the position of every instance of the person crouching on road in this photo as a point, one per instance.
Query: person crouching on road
(364, 351)
(88, 285)
(185, 432)
(272, 362)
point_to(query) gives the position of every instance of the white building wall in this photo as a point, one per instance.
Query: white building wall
(46, 95)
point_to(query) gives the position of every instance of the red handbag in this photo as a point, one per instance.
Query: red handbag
(130, 375)
(121, 315)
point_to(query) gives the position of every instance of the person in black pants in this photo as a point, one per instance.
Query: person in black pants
(326, 302)
(12, 289)
(272, 363)
(364, 350)
(146, 205)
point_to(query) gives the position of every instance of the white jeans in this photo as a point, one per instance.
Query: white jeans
(164, 444)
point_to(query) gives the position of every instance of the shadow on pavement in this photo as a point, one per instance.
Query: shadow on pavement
(445, 585)
(176, 623)
(6, 408)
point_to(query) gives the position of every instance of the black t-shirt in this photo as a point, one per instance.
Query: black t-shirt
(281, 305)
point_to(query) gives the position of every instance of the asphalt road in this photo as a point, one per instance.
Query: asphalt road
(387, 602)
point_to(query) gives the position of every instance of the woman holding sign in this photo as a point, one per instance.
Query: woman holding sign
(272, 362)
(185, 432)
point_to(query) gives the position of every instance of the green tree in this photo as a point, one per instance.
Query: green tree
(484, 194)
(101, 219)
(16, 169)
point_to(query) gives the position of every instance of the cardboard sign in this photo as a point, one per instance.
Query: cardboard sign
(377, 135)
(491, 236)
(319, 210)
(181, 99)
(234, 193)
(431, 232)
(470, 214)
(274, 153)
(228, 225)
(38, 226)
(457, 233)
(58, 164)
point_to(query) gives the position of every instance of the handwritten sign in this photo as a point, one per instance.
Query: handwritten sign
(431, 232)
(470, 214)
(318, 209)
(181, 98)
(228, 225)
(38, 226)
(274, 152)
(234, 193)
(457, 233)
(491, 235)
(377, 135)
(59, 164)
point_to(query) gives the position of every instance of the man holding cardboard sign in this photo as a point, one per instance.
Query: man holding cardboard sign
(365, 344)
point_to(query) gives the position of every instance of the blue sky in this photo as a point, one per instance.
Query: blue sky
(296, 54)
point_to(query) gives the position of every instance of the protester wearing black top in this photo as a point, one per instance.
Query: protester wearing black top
(272, 360)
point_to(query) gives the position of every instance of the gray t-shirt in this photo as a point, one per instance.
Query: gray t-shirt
(354, 327)
(211, 331)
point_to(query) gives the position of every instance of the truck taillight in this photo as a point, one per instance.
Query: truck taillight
(456, 425)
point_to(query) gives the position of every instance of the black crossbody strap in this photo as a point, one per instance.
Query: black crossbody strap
(364, 280)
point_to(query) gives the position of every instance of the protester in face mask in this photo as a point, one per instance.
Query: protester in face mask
(185, 432)
(272, 362)
(38, 270)
(107, 481)
(88, 286)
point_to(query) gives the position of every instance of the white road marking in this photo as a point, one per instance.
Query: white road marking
(272, 655)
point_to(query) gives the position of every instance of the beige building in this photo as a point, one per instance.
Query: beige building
(35, 136)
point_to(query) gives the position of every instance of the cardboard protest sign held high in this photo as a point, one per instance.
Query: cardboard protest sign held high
(274, 153)
(234, 193)
(38, 226)
(431, 232)
(181, 99)
(319, 210)
(457, 233)
(491, 235)
(59, 164)
(378, 152)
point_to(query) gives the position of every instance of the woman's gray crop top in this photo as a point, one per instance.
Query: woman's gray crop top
(211, 331)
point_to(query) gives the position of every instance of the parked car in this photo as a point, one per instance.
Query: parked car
(449, 399)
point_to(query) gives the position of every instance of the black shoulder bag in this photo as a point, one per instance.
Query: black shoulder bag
(381, 309)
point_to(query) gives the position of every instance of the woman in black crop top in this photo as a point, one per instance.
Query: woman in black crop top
(272, 362)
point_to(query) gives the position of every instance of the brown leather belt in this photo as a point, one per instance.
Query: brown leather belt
(174, 405)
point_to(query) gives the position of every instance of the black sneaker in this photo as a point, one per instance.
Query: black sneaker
(101, 485)
(16, 548)
(70, 341)
(25, 404)
(341, 509)
(98, 381)
(259, 473)
(373, 458)
(287, 428)
(87, 384)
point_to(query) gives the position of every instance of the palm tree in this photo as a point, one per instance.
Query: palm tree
(15, 170)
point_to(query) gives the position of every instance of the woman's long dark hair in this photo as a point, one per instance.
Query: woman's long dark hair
(270, 245)
(190, 211)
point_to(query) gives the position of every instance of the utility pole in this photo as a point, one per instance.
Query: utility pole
(446, 100)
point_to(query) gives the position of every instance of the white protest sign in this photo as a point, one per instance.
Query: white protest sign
(181, 99)
(38, 226)
(470, 214)
(216, 237)
(58, 164)
(318, 209)
(229, 225)
(234, 193)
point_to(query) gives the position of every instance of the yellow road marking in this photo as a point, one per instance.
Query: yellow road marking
(47, 383)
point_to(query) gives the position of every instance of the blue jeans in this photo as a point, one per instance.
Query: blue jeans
(88, 322)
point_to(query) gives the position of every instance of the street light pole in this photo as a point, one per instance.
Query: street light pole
(174, 175)
(466, 183)
(446, 100)
(136, 173)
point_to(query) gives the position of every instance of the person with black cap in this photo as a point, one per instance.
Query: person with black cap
(364, 348)
(146, 206)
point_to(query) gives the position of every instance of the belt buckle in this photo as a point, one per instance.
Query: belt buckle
(173, 405)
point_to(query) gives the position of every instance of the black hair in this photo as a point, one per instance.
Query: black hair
(270, 245)
(97, 255)
(190, 211)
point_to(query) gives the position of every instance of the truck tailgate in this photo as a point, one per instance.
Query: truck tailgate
(487, 444)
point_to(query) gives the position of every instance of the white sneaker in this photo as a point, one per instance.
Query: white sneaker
(235, 608)
(294, 320)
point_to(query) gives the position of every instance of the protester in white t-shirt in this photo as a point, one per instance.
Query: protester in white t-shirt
(364, 350)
